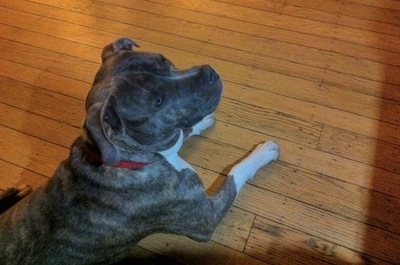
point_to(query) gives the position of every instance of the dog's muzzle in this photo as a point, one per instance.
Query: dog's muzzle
(207, 75)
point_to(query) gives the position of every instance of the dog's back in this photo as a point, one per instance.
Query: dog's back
(57, 224)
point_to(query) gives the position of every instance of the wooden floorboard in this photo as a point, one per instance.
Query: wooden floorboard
(322, 78)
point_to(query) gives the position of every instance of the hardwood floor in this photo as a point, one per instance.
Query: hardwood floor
(322, 78)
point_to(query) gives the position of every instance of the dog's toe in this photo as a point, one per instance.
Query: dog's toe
(269, 149)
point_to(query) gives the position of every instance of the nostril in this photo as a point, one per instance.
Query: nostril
(209, 76)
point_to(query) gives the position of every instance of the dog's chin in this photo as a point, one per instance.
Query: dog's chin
(211, 105)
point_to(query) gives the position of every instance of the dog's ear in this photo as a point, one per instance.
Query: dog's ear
(103, 124)
(119, 45)
(95, 125)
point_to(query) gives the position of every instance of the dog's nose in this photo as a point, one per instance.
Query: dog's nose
(208, 75)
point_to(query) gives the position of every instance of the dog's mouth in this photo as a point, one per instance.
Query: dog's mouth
(204, 95)
(205, 84)
(212, 84)
(213, 88)
(216, 88)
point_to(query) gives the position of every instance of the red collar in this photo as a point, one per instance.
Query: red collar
(130, 164)
(94, 154)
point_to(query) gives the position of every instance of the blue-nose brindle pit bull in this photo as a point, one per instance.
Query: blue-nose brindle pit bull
(124, 179)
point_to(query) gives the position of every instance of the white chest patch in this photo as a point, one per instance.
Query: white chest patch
(172, 156)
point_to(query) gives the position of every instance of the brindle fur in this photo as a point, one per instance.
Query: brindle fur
(91, 212)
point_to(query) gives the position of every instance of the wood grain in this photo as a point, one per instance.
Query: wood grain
(319, 77)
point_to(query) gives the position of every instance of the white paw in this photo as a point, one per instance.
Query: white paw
(202, 125)
(262, 155)
(266, 152)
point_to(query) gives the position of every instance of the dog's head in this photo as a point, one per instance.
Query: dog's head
(140, 102)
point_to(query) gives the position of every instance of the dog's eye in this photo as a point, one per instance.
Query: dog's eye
(159, 101)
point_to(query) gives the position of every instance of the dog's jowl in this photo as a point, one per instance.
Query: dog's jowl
(124, 179)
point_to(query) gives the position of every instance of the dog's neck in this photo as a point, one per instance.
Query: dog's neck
(94, 154)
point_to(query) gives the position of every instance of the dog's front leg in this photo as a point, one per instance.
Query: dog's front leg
(262, 155)
(173, 158)
(201, 126)
(213, 209)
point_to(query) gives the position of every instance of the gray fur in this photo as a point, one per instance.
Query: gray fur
(91, 212)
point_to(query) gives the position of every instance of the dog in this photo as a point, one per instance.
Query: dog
(123, 179)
